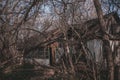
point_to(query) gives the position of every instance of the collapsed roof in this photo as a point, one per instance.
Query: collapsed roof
(88, 31)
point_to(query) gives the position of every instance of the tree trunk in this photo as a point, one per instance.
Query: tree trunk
(106, 44)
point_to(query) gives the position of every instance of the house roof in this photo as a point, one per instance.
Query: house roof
(92, 27)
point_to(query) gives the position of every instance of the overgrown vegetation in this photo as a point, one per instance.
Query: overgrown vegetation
(19, 72)
(59, 40)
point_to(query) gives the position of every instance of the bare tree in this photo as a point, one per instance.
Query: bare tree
(106, 44)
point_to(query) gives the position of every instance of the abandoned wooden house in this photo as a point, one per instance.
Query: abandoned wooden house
(51, 46)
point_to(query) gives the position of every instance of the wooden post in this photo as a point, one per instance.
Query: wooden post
(52, 56)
